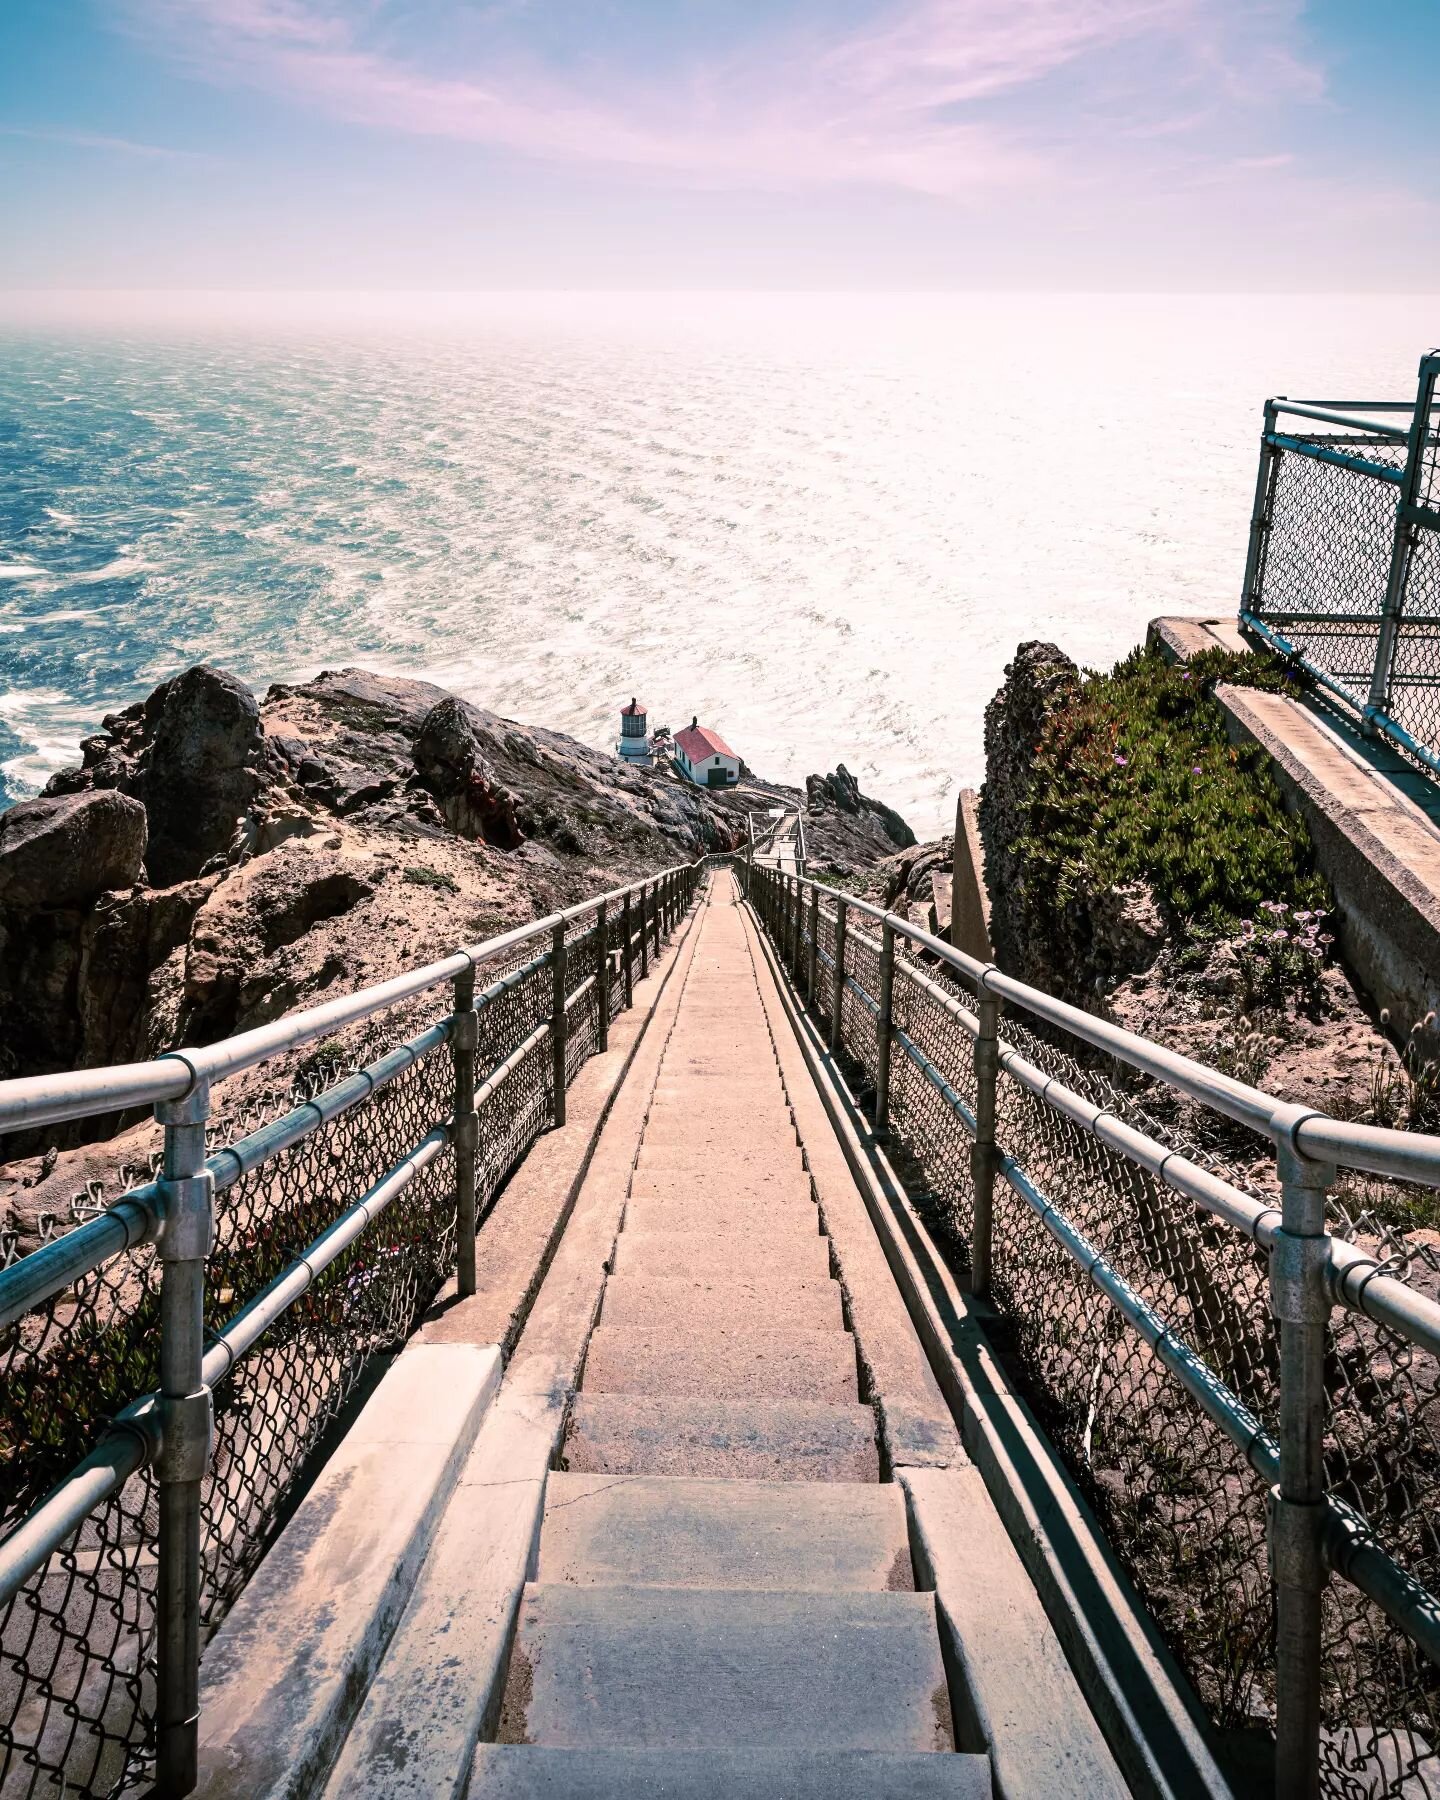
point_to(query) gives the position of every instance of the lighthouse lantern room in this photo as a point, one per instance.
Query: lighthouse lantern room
(634, 745)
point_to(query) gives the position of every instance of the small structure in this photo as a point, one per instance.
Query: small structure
(634, 745)
(703, 756)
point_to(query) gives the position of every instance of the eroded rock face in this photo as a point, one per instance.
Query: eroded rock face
(840, 792)
(202, 772)
(64, 850)
(451, 762)
(1040, 680)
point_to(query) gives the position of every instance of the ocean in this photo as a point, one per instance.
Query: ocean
(820, 523)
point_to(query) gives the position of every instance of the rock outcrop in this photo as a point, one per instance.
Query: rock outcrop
(67, 849)
(839, 815)
(1039, 681)
(217, 860)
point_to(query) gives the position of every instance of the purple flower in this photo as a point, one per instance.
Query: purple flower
(1122, 760)
(1196, 769)
(1184, 674)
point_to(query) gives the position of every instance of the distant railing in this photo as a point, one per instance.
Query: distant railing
(168, 1366)
(1171, 1310)
(1343, 569)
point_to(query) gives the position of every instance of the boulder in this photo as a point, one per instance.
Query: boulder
(841, 791)
(201, 773)
(64, 850)
(451, 761)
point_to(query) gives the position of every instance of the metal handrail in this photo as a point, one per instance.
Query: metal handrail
(171, 1428)
(30, 1100)
(1310, 1529)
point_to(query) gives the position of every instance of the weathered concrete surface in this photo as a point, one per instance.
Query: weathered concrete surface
(1021, 1701)
(969, 897)
(679, 1667)
(787, 1536)
(754, 1303)
(722, 1212)
(803, 1256)
(748, 1440)
(510, 1772)
(1183, 638)
(281, 1679)
(1375, 847)
(722, 1364)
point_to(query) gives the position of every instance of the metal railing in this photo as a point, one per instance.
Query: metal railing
(1343, 567)
(171, 1365)
(1242, 1368)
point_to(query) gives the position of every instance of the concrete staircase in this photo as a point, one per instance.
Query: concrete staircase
(724, 1600)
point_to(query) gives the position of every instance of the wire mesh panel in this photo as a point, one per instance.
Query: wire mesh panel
(1178, 1497)
(1333, 553)
(78, 1697)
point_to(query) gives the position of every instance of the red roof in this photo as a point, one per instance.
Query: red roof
(698, 742)
(635, 709)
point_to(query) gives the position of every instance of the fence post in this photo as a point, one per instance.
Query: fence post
(884, 1027)
(837, 1000)
(1402, 546)
(796, 928)
(465, 1128)
(1300, 1305)
(812, 963)
(644, 932)
(626, 929)
(1260, 513)
(187, 1194)
(982, 1152)
(602, 974)
(559, 1017)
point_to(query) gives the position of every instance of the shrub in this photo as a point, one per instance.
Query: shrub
(419, 876)
(1137, 780)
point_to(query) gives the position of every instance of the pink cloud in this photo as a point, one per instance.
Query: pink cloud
(919, 98)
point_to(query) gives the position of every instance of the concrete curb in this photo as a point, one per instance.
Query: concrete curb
(1136, 1690)
(285, 1673)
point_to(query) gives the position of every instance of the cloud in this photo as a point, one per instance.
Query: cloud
(92, 140)
(940, 97)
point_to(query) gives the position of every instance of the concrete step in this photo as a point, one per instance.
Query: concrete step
(769, 1148)
(684, 1667)
(684, 1131)
(728, 1365)
(723, 1213)
(788, 1536)
(731, 1253)
(527, 1772)
(748, 1303)
(782, 1187)
(748, 1440)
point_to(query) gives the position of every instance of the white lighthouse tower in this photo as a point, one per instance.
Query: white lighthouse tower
(634, 745)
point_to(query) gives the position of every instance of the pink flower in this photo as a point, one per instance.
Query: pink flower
(1122, 760)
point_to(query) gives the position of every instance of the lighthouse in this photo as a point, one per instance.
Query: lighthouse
(634, 745)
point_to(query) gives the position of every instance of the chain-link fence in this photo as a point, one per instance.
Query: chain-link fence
(1343, 569)
(335, 1211)
(1130, 1273)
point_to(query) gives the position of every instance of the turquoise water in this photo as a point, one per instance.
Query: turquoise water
(821, 524)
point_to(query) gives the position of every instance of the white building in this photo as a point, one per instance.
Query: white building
(703, 756)
(634, 745)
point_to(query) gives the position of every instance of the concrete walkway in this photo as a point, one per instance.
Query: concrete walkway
(713, 1534)
(724, 1600)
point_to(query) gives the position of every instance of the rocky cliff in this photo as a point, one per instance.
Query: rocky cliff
(217, 860)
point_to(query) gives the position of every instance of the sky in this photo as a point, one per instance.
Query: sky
(433, 145)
